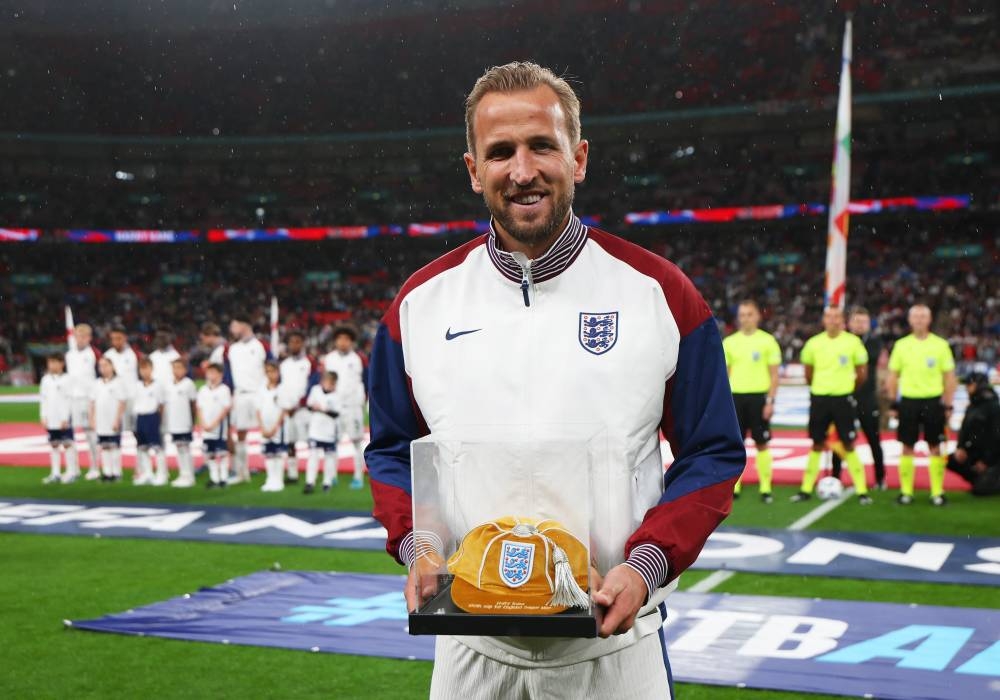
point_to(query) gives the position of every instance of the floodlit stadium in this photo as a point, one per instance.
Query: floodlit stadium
(714, 413)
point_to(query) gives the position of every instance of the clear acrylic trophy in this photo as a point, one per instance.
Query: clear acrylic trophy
(502, 523)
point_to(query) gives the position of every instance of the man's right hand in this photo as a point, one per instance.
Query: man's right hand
(422, 583)
(960, 455)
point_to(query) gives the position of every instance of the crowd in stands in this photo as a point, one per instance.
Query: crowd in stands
(948, 261)
(412, 71)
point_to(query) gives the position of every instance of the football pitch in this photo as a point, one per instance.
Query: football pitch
(49, 578)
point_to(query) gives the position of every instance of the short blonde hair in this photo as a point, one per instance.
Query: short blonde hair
(516, 76)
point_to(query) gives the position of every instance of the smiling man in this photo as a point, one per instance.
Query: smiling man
(546, 321)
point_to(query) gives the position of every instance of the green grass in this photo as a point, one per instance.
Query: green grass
(18, 413)
(30, 389)
(23, 482)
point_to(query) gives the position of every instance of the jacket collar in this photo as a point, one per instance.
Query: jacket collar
(553, 262)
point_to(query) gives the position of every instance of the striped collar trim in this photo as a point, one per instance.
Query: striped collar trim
(553, 262)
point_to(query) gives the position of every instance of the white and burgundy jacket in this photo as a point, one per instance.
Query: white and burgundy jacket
(597, 330)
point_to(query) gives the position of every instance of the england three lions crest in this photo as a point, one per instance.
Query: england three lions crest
(516, 562)
(598, 332)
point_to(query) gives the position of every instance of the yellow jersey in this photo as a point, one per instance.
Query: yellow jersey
(833, 360)
(749, 359)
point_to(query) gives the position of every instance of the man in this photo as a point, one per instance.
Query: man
(836, 363)
(349, 367)
(522, 324)
(298, 374)
(212, 340)
(126, 363)
(81, 367)
(752, 360)
(977, 454)
(245, 358)
(163, 356)
(859, 322)
(922, 370)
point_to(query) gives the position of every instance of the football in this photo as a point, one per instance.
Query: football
(829, 488)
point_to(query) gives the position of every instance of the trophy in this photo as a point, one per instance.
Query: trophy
(502, 520)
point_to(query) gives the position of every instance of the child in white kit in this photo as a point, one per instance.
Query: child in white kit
(179, 418)
(107, 409)
(324, 406)
(272, 418)
(147, 402)
(215, 401)
(56, 410)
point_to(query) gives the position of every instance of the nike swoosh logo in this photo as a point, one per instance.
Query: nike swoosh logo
(448, 335)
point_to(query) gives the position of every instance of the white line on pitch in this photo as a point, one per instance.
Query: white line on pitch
(717, 578)
(820, 510)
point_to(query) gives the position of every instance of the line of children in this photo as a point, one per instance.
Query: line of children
(173, 409)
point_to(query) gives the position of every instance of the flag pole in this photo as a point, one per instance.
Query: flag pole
(837, 228)
(68, 314)
(274, 326)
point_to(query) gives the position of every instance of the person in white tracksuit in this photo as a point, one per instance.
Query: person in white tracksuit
(81, 366)
(544, 320)
(350, 369)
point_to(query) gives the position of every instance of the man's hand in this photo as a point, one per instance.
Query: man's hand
(768, 411)
(960, 455)
(619, 597)
(422, 582)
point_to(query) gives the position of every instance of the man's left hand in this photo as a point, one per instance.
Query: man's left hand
(619, 597)
(768, 411)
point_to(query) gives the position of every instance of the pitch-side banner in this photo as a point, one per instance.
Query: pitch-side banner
(864, 555)
(795, 644)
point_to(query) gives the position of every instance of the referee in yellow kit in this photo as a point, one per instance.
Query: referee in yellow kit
(836, 362)
(922, 368)
(752, 359)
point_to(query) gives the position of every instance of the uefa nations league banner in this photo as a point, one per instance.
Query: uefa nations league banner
(796, 644)
(865, 555)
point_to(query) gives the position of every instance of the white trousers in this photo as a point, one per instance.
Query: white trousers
(637, 672)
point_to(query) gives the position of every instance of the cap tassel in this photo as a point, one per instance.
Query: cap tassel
(567, 591)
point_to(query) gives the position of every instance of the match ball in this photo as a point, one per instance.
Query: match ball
(829, 488)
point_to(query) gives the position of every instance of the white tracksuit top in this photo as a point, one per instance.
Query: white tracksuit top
(596, 331)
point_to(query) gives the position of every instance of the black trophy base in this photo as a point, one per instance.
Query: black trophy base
(440, 615)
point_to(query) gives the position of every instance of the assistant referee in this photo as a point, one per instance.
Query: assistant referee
(922, 369)
(836, 362)
(752, 360)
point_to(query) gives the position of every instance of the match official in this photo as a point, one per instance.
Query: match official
(859, 322)
(752, 360)
(836, 363)
(922, 370)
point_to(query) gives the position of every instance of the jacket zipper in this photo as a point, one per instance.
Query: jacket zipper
(526, 280)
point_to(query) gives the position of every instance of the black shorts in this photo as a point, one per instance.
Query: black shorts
(147, 430)
(839, 410)
(750, 414)
(921, 415)
(61, 435)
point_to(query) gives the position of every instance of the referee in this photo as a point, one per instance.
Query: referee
(752, 360)
(836, 363)
(922, 369)
(859, 322)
